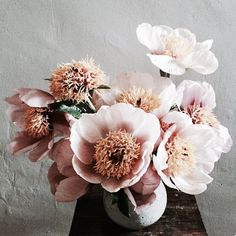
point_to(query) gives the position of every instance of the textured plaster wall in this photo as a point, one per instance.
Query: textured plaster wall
(36, 35)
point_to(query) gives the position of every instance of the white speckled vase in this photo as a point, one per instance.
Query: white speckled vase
(149, 215)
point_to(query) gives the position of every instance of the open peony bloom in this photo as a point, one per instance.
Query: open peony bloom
(175, 50)
(142, 194)
(28, 110)
(154, 95)
(197, 100)
(113, 147)
(186, 153)
(66, 185)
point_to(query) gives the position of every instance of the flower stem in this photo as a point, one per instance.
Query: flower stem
(164, 74)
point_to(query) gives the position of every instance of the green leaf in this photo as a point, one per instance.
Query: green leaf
(123, 203)
(103, 86)
(71, 108)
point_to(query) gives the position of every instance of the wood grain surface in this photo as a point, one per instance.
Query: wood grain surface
(181, 218)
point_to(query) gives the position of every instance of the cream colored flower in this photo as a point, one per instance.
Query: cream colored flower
(197, 100)
(153, 95)
(186, 154)
(175, 50)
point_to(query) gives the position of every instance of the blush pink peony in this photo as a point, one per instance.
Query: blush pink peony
(66, 185)
(114, 146)
(28, 110)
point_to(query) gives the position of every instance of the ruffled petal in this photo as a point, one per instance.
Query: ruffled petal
(167, 64)
(151, 36)
(196, 93)
(186, 34)
(202, 61)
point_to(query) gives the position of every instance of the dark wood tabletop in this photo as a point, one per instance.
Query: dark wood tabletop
(181, 218)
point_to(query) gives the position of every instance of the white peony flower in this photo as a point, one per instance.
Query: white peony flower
(186, 155)
(153, 95)
(197, 100)
(175, 50)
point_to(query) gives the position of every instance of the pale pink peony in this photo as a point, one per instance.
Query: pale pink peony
(113, 147)
(29, 112)
(197, 100)
(175, 50)
(66, 185)
(186, 155)
(142, 194)
(154, 95)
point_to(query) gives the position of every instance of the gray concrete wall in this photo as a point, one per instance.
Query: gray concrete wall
(36, 35)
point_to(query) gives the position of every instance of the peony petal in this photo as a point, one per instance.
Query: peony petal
(70, 189)
(189, 188)
(148, 183)
(60, 124)
(186, 34)
(205, 45)
(86, 171)
(13, 100)
(16, 114)
(202, 61)
(42, 149)
(167, 64)
(62, 154)
(180, 119)
(151, 36)
(54, 177)
(167, 99)
(223, 139)
(35, 97)
(192, 92)
(22, 143)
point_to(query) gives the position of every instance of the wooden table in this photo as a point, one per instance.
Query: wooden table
(181, 218)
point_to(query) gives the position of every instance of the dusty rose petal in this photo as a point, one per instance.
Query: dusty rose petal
(54, 177)
(35, 97)
(42, 149)
(62, 154)
(148, 183)
(86, 171)
(16, 114)
(22, 143)
(13, 100)
(60, 124)
(70, 189)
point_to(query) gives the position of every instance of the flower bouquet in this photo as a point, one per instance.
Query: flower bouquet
(133, 135)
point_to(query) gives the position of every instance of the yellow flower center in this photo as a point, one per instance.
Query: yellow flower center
(201, 115)
(141, 98)
(177, 46)
(115, 155)
(37, 122)
(180, 156)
